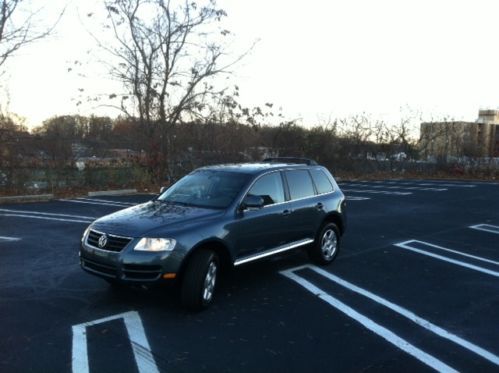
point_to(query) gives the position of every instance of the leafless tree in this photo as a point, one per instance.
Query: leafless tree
(19, 27)
(358, 130)
(166, 58)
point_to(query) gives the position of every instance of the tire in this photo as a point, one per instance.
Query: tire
(326, 245)
(199, 280)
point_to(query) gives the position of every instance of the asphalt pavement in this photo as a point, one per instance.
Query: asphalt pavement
(415, 287)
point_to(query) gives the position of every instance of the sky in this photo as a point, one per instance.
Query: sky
(317, 59)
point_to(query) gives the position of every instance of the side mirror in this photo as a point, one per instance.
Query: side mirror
(163, 188)
(251, 201)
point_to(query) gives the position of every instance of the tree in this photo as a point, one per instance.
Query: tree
(165, 58)
(15, 144)
(358, 130)
(57, 134)
(17, 27)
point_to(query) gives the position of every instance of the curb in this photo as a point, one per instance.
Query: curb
(27, 198)
(118, 192)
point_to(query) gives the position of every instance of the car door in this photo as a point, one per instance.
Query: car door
(262, 229)
(306, 209)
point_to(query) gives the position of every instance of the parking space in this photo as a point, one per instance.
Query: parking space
(366, 189)
(394, 323)
(415, 287)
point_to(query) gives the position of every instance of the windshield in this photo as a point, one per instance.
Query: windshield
(211, 189)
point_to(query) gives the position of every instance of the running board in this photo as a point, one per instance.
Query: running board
(276, 250)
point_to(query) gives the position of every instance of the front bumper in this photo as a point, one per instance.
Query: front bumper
(128, 265)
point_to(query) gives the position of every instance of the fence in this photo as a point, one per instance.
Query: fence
(42, 180)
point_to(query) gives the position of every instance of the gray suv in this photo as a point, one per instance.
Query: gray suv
(218, 217)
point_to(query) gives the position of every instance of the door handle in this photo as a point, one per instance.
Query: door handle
(319, 206)
(286, 212)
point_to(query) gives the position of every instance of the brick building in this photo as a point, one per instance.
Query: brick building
(457, 139)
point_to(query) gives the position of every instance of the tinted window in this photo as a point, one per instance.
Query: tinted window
(321, 181)
(215, 189)
(300, 184)
(269, 187)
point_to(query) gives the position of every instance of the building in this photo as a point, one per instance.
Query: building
(444, 140)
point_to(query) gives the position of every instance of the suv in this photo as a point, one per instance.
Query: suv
(215, 217)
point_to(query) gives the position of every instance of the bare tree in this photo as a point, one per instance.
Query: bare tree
(18, 27)
(166, 58)
(358, 130)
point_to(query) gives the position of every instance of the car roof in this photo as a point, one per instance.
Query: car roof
(253, 168)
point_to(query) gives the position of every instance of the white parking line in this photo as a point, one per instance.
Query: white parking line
(394, 187)
(46, 214)
(93, 203)
(376, 328)
(46, 218)
(355, 198)
(431, 184)
(405, 313)
(452, 251)
(406, 245)
(370, 191)
(9, 239)
(106, 201)
(456, 183)
(486, 228)
(140, 345)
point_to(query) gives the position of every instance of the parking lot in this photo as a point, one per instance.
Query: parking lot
(415, 288)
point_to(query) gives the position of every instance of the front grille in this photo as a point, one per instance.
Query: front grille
(114, 243)
(103, 269)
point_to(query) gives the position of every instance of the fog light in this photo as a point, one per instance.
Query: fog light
(169, 276)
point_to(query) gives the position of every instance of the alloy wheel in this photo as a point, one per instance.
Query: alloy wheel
(209, 281)
(329, 244)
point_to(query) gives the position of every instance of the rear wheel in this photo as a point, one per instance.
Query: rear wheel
(200, 278)
(327, 244)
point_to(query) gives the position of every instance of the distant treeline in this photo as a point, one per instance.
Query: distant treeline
(79, 151)
(64, 139)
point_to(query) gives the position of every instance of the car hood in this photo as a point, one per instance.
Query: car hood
(154, 218)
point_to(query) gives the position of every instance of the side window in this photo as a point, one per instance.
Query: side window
(269, 187)
(321, 181)
(300, 184)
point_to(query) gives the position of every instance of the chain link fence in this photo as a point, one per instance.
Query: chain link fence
(43, 180)
(29, 180)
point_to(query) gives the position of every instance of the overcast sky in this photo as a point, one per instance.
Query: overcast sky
(316, 59)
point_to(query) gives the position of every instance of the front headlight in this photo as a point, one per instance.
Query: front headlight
(85, 234)
(155, 244)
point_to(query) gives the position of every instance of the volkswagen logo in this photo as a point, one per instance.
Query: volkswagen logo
(102, 241)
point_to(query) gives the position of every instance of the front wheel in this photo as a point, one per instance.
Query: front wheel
(200, 278)
(326, 245)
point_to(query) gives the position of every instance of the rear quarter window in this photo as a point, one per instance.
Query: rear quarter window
(300, 184)
(322, 182)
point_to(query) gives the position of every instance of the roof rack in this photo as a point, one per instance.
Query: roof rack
(306, 161)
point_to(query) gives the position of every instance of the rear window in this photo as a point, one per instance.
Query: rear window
(300, 184)
(322, 182)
